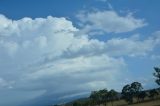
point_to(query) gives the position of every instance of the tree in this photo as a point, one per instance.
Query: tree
(126, 93)
(99, 97)
(104, 96)
(153, 93)
(141, 95)
(130, 91)
(157, 75)
(112, 94)
(136, 88)
(94, 97)
(76, 104)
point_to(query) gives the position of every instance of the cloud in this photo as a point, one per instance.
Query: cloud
(23, 42)
(9, 47)
(74, 95)
(155, 57)
(131, 46)
(27, 33)
(74, 75)
(78, 65)
(107, 2)
(102, 0)
(34, 56)
(45, 56)
(5, 84)
(108, 21)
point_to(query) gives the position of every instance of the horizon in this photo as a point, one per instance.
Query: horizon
(56, 50)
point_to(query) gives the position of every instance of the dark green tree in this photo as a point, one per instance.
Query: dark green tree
(153, 93)
(112, 95)
(141, 96)
(104, 96)
(126, 93)
(99, 97)
(136, 88)
(76, 104)
(131, 91)
(157, 75)
(94, 97)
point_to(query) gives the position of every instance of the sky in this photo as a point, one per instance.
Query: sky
(52, 51)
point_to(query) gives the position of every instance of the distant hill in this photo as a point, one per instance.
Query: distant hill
(119, 100)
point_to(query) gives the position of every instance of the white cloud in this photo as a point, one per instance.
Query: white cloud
(41, 41)
(109, 21)
(80, 73)
(43, 54)
(132, 46)
(23, 42)
(26, 42)
(78, 65)
(35, 37)
(9, 46)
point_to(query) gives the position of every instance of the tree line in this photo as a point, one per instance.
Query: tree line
(129, 93)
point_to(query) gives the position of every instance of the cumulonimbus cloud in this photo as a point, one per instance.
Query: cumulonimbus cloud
(45, 55)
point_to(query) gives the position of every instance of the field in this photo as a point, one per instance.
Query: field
(145, 101)
(148, 103)
(155, 102)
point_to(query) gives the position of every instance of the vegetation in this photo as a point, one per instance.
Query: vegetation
(157, 75)
(103, 96)
(131, 93)
(153, 93)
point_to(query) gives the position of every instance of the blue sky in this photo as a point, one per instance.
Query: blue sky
(55, 50)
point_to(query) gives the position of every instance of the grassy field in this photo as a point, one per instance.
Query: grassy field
(155, 102)
(148, 103)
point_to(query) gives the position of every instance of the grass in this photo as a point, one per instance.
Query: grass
(146, 102)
